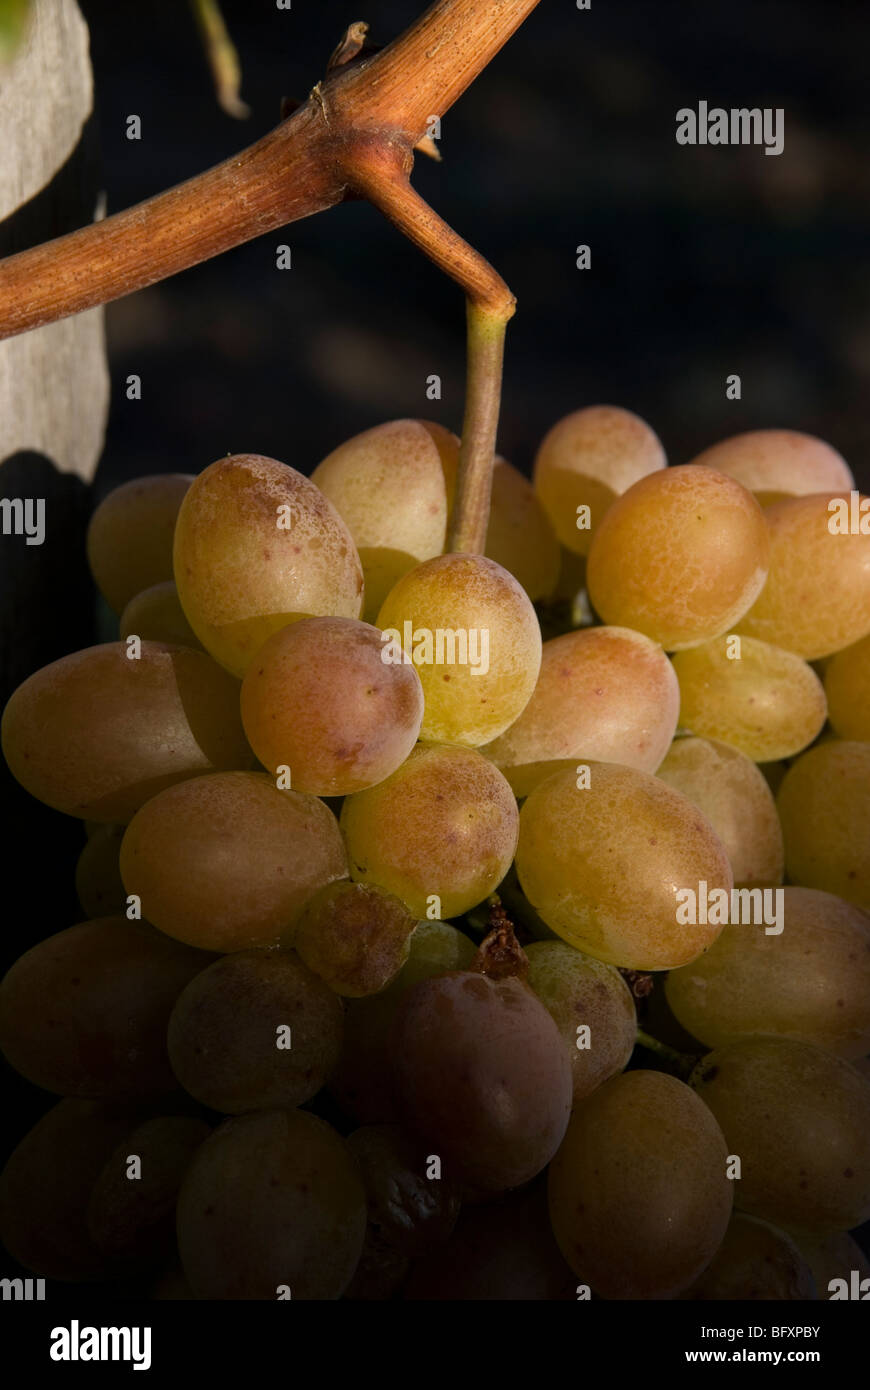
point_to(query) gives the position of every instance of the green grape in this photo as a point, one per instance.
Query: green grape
(97, 734)
(408, 1211)
(519, 536)
(444, 826)
(799, 1120)
(754, 1262)
(809, 979)
(680, 556)
(271, 1207)
(762, 700)
(99, 887)
(355, 936)
(156, 615)
(320, 701)
(587, 460)
(779, 461)
(258, 546)
(639, 1197)
(847, 686)
(133, 1218)
(603, 693)
(227, 862)
(473, 634)
(582, 993)
(363, 1081)
(392, 486)
(130, 536)
(46, 1184)
(817, 596)
(84, 1013)
(824, 807)
(834, 1257)
(484, 1075)
(256, 1030)
(733, 794)
(604, 866)
(504, 1250)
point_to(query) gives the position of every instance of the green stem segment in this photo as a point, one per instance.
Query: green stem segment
(223, 58)
(470, 519)
(680, 1064)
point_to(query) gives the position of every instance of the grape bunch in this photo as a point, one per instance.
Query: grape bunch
(421, 958)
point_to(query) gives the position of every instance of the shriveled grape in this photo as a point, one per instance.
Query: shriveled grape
(131, 533)
(587, 460)
(227, 862)
(605, 693)
(808, 979)
(84, 1013)
(603, 865)
(761, 699)
(592, 1007)
(799, 1120)
(734, 796)
(355, 936)
(156, 615)
(639, 1197)
(409, 1209)
(258, 546)
(768, 461)
(256, 1030)
(824, 806)
(680, 556)
(817, 596)
(484, 1075)
(444, 826)
(320, 701)
(754, 1262)
(473, 635)
(847, 686)
(272, 1206)
(96, 734)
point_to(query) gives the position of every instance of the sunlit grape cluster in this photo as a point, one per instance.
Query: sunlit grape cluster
(426, 959)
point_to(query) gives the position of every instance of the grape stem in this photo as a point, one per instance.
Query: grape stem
(680, 1064)
(222, 57)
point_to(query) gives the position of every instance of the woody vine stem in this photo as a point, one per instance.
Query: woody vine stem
(355, 136)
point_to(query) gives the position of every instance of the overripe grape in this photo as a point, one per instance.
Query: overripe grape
(355, 936)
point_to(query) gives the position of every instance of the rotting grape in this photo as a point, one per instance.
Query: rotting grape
(409, 1208)
(355, 936)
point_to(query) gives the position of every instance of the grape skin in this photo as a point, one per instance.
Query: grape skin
(847, 686)
(785, 461)
(519, 536)
(131, 533)
(99, 887)
(355, 936)
(824, 807)
(756, 1262)
(156, 615)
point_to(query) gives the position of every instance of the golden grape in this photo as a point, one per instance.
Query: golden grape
(784, 461)
(131, 533)
(847, 686)
(824, 807)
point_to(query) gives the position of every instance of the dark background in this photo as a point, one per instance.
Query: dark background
(705, 262)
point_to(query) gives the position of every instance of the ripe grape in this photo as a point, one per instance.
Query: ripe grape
(824, 806)
(272, 1206)
(680, 556)
(817, 596)
(579, 992)
(603, 866)
(320, 701)
(762, 700)
(520, 537)
(484, 1075)
(256, 1030)
(156, 615)
(363, 1080)
(133, 1218)
(392, 486)
(811, 982)
(46, 1184)
(97, 734)
(258, 546)
(604, 693)
(639, 1197)
(444, 825)
(779, 461)
(588, 459)
(227, 862)
(755, 1261)
(84, 1013)
(799, 1120)
(847, 686)
(734, 796)
(408, 1210)
(355, 936)
(99, 886)
(474, 637)
(130, 536)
